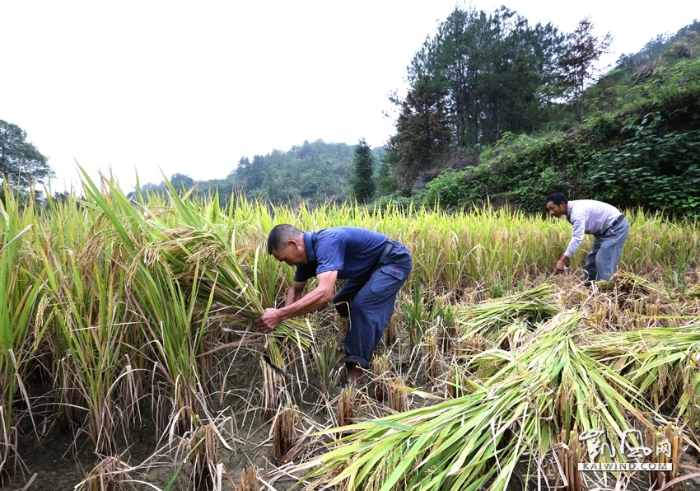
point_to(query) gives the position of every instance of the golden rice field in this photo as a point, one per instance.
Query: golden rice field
(128, 359)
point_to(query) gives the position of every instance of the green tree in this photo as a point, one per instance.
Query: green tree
(577, 64)
(493, 69)
(520, 74)
(386, 183)
(454, 58)
(21, 164)
(362, 182)
(423, 133)
(182, 181)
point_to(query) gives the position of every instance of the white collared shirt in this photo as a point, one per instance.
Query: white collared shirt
(588, 216)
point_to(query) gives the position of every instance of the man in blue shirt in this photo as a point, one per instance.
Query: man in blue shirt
(374, 267)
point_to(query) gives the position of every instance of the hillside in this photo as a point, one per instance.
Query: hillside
(632, 138)
(314, 173)
(638, 144)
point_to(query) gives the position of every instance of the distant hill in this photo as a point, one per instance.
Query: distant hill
(663, 47)
(314, 173)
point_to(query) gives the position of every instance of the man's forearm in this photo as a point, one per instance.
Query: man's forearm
(292, 296)
(312, 301)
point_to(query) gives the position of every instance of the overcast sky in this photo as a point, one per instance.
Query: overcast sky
(191, 87)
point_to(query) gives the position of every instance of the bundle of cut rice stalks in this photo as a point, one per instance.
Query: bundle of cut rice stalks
(632, 286)
(505, 426)
(662, 363)
(504, 321)
(245, 289)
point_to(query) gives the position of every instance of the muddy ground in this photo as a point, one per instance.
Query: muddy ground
(61, 460)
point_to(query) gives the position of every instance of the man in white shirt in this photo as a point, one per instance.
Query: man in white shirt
(605, 222)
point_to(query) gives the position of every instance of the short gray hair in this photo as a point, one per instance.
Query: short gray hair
(279, 236)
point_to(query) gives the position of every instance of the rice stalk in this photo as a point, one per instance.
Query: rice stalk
(445, 322)
(203, 457)
(667, 446)
(457, 382)
(478, 441)
(21, 292)
(283, 432)
(568, 453)
(346, 405)
(416, 313)
(660, 362)
(381, 367)
(249, 480)
(110, 474)
(649, 355)
(199, 468)
(488, 319)
(633, 286)
(172, 319)
(89, 319)
(246, 290)
(431, 352)
(241, 287)
(325, 356)
(198, 246)
(398, 399)
(274, 383)
(391, 333)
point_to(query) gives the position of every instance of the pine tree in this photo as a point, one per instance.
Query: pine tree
(577, 64)
(423, 133)
(363, 184)
(494, 73)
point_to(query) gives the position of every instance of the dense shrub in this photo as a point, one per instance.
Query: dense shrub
(653, 168)
(648, 155)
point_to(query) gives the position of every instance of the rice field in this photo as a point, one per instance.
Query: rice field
(126, 334)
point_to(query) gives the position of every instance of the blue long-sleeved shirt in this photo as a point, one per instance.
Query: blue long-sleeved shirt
(351, 251)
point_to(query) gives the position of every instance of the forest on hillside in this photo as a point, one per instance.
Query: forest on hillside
(631, 138)
(505, 112)
(315, 173)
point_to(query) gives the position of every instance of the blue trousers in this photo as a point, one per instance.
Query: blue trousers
(369, 301)
(601, 262)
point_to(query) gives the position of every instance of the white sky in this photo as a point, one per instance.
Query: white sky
(190, 87)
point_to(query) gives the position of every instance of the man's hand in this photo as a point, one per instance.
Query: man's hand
(322, 294)
(270, 319)
(561, 266)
